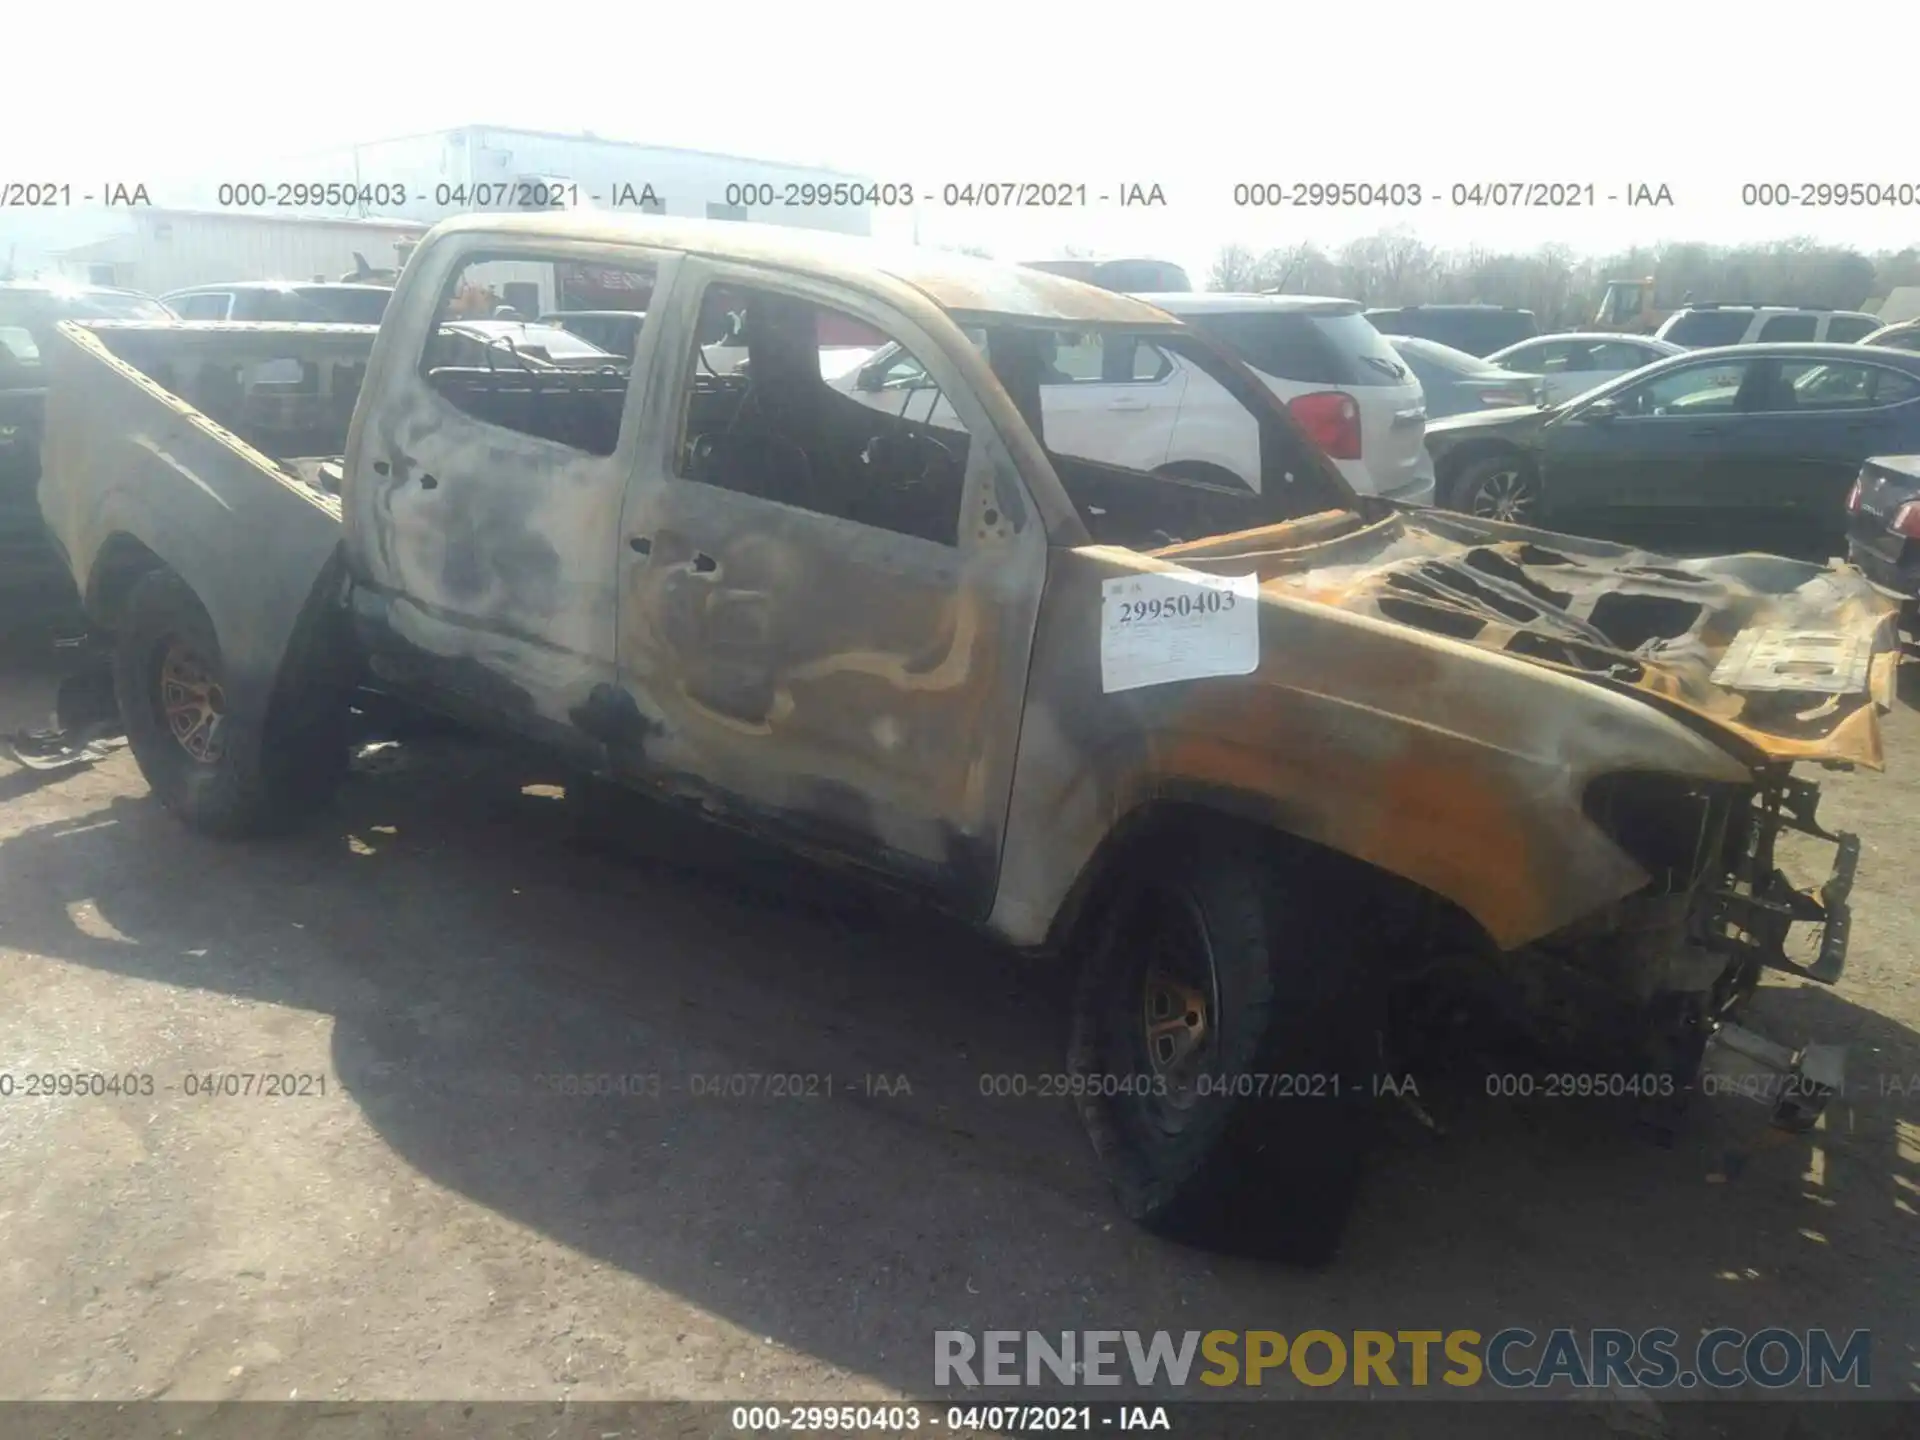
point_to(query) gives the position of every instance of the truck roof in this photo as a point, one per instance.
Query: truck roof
(957, 283)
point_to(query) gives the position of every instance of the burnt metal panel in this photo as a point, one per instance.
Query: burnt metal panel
(123, 456)
(1433, 697)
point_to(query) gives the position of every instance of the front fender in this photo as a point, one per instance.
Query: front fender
(1460, 770)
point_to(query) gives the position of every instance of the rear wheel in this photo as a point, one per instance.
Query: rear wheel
(220, 774)
(1498, 487)
(1217, 1045)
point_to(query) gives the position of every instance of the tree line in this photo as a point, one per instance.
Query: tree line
(1562, 287)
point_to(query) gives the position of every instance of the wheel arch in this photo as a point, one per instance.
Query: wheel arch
(1378, 899)
(1447, 469)
(118, 565)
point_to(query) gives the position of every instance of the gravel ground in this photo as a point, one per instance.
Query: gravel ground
(435, 1218)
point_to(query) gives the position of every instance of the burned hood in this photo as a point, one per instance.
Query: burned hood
(1785, 660)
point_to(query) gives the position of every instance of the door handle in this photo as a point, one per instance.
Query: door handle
(1705, 431)
(640, 544)
(1127, 404)
(703, 563)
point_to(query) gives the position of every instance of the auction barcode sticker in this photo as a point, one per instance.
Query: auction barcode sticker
(1160, 628)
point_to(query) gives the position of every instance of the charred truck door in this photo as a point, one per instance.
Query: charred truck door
(485, 491)
(826, 607)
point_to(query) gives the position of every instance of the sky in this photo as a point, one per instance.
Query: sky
(1193, 97)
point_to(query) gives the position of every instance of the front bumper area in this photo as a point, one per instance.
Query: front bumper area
(1752, 916)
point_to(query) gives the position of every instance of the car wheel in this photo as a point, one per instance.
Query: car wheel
(1217, 1035)
(1498, 487)
(220, 775)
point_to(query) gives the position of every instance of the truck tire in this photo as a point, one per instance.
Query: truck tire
(222, 778)
(1219, 1032)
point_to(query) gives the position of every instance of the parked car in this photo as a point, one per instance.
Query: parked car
(615, 331)
(1138, 405)
(1122, 275)
(39, 305)
(1476, 329)
(1883, 527)
(1903, 336)
(320, 302)
(1344, 383)
(1453, 380)
(1697, 327)
(1756, 437)
(1570, 365)
(1256, 759)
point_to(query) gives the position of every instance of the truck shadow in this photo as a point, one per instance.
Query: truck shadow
(469, 943)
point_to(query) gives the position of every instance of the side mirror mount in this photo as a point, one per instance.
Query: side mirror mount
(871, 380)
(1604, 409)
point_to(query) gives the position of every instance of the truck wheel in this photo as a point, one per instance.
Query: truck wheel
(1498, 487)
(1218, 1035)
(220, 777)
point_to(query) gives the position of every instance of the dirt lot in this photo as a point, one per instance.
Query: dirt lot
(443, 1222)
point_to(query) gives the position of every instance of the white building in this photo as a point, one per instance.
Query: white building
(325, 213)
(480, 167)
(157, 250)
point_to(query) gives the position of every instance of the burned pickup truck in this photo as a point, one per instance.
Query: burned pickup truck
(1259, 759)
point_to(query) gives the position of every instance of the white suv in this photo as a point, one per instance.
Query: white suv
(1698, 327)
(1344, 383)
(1133, 404)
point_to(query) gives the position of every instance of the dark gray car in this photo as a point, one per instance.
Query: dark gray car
(1456, 382)
(1476, 329)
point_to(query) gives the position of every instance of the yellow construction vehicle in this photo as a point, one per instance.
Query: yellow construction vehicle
(1628, 307)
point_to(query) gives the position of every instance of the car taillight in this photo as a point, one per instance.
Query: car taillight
(1853, 498)
(1906, 520)
(1331, 419)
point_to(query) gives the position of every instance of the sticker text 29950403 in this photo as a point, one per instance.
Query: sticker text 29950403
(1177, 625)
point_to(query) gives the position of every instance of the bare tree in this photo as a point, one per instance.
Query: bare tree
(1563, 288)
(1234, 268)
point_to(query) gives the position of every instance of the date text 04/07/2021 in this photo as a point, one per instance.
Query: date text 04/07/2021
(960, 1420)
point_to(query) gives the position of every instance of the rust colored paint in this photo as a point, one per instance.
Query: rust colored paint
(1434, 697)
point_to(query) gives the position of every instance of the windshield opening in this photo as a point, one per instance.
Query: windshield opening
(1259, 468)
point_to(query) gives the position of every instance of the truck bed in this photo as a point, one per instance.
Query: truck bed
(34, 590)
(212, 449)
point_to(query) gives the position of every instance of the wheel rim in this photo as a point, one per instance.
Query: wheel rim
(1179, 1003)
(1503, 495)
(192, 702)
